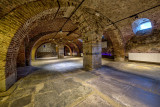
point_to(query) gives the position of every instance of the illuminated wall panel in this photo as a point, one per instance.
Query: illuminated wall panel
(146, 57)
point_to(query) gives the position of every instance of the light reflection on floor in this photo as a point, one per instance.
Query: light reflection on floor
(75, 63)
(137, 66)
(114, 81)
(63, 66)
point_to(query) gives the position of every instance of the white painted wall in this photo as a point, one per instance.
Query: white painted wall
(146, 57)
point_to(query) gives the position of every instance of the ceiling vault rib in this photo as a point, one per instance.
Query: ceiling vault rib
(72, 31)
(70, 17)
(59, 6)
(72, 14)
(76, 38)
(58, 9)
(134, 15)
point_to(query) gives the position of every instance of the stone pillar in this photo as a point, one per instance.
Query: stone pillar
(92, 58)
(60, 51)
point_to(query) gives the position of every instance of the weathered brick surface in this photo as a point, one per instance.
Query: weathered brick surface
(8, 27)
(21, 61)
(67, 50)
(118, 44)
(48, 39)
(23, 18)
(148, 43)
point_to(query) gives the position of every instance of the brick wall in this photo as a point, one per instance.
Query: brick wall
(46, 50)
(21, 56)
(99, 15)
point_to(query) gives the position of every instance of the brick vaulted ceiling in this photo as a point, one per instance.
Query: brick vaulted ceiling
(111, 10)
(96, 13)
(32, 19)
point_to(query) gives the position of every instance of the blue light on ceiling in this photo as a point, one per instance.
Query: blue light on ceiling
(146, 25)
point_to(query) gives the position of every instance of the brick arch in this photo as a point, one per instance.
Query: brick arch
(70, 50)
(79, 45)
(37, 45)
(45, 36)
(75, 45)
(77, 49)
(14, 28)
(38, 41)
(31, 44)
(118, 45)
(10, 25)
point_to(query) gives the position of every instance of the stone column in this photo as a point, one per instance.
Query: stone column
(92, 58)
(60, 51)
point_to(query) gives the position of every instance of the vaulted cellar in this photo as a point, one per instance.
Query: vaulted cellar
(85, 53)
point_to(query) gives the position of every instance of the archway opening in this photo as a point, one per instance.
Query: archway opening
(46, 50)
(67, 51)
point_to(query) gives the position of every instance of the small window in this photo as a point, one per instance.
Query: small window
(146, 25)
(142, 26)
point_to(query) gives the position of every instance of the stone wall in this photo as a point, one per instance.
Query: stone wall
(19, 20)
(46, 50)
(92, 48)
(144, 44)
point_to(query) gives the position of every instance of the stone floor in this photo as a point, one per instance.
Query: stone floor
(59, 83)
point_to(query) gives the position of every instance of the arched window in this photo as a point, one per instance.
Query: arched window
(142, 26)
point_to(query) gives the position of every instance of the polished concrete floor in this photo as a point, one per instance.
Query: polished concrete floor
(55, 82)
